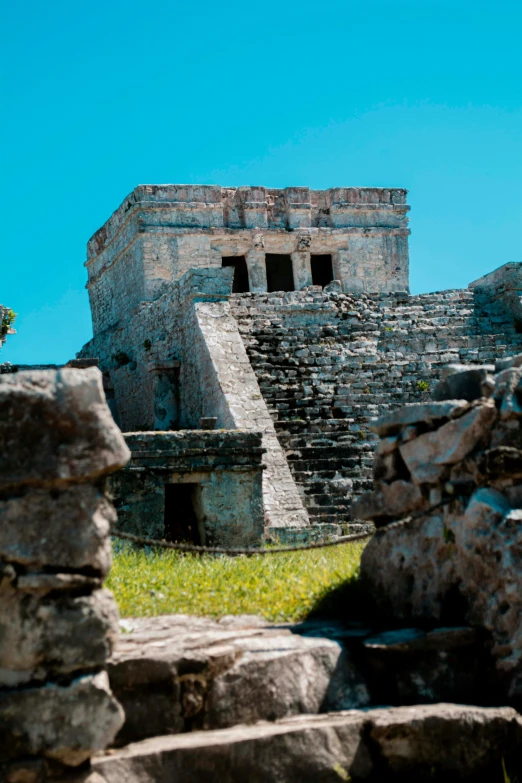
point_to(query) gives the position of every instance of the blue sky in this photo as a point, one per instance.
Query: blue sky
(101, 96)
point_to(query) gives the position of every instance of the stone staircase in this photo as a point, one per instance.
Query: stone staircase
(239, 699)
(327, 363)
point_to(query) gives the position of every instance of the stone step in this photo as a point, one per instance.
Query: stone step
(441, 742)
(176, 673)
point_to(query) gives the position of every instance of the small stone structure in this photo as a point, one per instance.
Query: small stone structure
(204, 487)
(452, 470)
(57, 624)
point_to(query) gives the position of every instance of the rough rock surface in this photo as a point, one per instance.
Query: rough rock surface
(459, 560)
(68, 723)
(397, 744)
(56, 429)
(68, 528)
(54, 635)
(177, 672)
(57, 627)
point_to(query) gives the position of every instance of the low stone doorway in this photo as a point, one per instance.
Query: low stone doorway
(180, 518)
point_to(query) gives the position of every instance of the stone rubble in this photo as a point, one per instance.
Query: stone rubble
(455, 557)
(58, 625)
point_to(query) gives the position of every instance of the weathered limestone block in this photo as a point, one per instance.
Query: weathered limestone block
(66, 527)
(57, 444)
(56, 429)
(428, 413)
(433, 742)
(52, 636)
(179, 673)
(460, 563)
(427, 455)
(67, 723)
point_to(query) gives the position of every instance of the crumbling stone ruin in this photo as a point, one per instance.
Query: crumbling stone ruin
(57, 624)
(185, 699)
(452, 471)
(283, 314)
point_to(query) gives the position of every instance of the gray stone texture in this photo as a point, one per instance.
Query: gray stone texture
(324, 365)
(57, 627)
(179, 673)
(224, 467)
(161, 231)
(56, 429)
(459, 561)
(398, 744)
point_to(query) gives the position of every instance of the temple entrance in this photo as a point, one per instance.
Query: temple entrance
(279, 272)
(322, 270)
(180, 519)
(240, 283)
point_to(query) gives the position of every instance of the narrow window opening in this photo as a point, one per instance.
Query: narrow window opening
(322, 270)
(240, 283)
(279, 272)
(180, 519)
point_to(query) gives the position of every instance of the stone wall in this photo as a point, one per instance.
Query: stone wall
(58, 624)
(224, 469)
(448, 505)
(310, 367)
(161, 231)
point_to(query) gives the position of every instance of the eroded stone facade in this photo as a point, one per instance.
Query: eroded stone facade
(162, 231)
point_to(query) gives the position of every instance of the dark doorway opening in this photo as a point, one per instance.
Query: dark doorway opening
(279, 272)
(180, 520)
(322, 270)
(240, 282)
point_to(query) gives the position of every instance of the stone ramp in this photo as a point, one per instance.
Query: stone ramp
(430, 742)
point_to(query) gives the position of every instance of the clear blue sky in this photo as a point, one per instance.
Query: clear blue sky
(101, 96)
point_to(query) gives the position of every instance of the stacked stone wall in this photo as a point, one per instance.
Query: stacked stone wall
(327, 362)
(57, 623)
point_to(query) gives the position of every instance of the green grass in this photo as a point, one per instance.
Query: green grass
(279, 587)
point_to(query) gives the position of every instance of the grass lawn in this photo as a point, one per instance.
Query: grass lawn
(279, 587)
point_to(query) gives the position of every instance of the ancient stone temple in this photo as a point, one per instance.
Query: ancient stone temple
(247, 336)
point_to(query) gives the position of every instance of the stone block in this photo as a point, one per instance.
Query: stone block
(66, 723)
(58, 528)
(56, 429)
(427, 455)
(463, 383)
(428, 413)
(400, 743)
(389, 501)
(53, 636)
